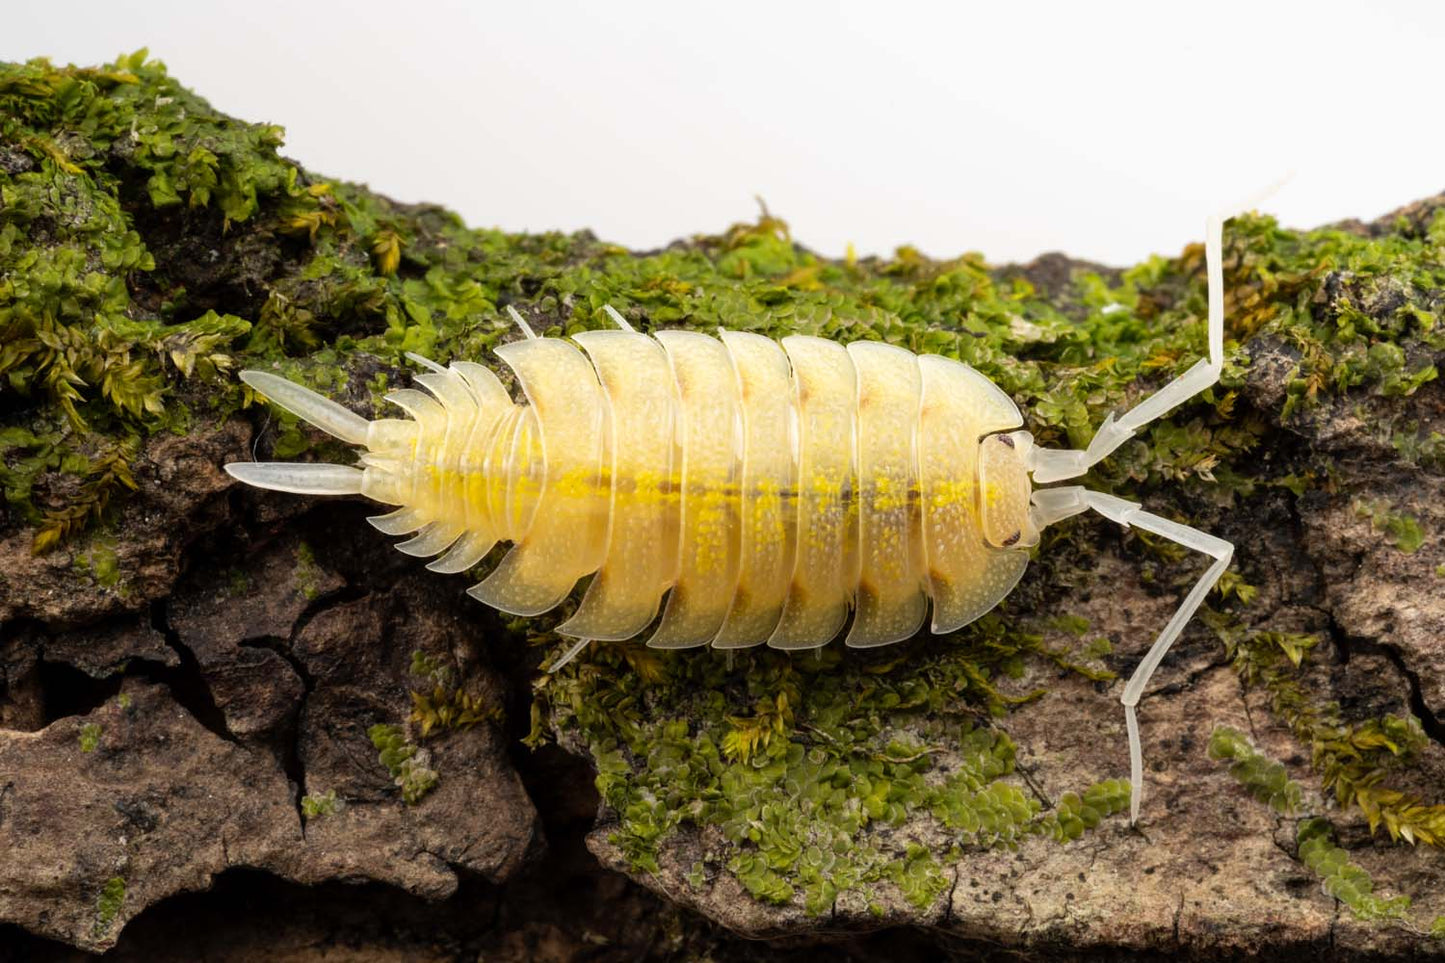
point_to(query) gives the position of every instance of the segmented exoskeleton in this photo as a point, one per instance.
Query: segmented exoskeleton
(765, 489)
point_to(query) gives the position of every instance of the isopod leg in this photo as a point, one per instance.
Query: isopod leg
(570, 654)
(1053, 504)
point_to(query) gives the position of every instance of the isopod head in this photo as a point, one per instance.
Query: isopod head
(1005, 489)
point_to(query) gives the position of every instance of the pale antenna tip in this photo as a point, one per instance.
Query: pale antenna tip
(521, 322)
(618, 318)
(415, 358)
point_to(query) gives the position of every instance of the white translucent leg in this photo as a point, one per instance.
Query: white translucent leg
(521, 322)
(618, 319)
(570, 654)
(1050, 466)
(1128, 513)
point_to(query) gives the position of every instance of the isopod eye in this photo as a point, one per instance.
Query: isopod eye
(1012, 539)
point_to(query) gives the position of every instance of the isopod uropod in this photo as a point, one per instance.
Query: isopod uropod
(765, 488)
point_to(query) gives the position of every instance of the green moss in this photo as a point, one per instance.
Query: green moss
(1344, 880)
(99, 561)
(1355, 759)
(307, 574)
(1402, 529)
(1077, 813)
(238, 582)
(809, 765)
(108, 905)
(445, 705)
(90, 737)
(1265, 779)
(409, 765)
(314, 806)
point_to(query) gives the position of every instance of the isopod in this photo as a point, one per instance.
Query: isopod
(766, 489)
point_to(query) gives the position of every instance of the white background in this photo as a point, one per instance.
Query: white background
(1105, 130)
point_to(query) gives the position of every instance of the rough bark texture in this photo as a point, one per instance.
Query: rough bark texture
(197, 683)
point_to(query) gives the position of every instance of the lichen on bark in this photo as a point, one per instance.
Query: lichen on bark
(150, 245)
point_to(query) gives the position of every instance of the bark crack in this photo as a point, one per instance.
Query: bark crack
(187, 683)
(948, 904)
(1429, 722)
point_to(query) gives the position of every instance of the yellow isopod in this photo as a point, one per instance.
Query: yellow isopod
(766, 489)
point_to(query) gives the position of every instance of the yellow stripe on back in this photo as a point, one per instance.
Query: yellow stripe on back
(767, 509)
(890, 604)
(826, 570)
(711, 469)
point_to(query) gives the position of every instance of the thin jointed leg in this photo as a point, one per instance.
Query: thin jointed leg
(1052, 465)
(1128, 513)
(1052, 505)
(570, 654)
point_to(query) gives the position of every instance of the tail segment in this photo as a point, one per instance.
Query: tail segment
(429, 464)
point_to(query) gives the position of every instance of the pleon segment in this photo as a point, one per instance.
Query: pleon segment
(485, 527)
(891, 603)
(391, 449)
(642, 544)
(414, 484)
(710, 438)
(826, 571)
(443, 474)
(567, 534)
(767, 505)
(965, 576)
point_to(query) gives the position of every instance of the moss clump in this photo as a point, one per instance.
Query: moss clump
(810, 765)
(446, 705)
(314, 806)
(1354, 759)
(408, 765)
(307, 574)
(1403, 529)
(90, 737)
(1265, 779)
(102, 369)
(1344, 880)
(108, 905)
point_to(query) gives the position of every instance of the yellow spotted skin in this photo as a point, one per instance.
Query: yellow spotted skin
(730, 491)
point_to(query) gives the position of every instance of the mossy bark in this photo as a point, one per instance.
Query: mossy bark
(189, 673)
